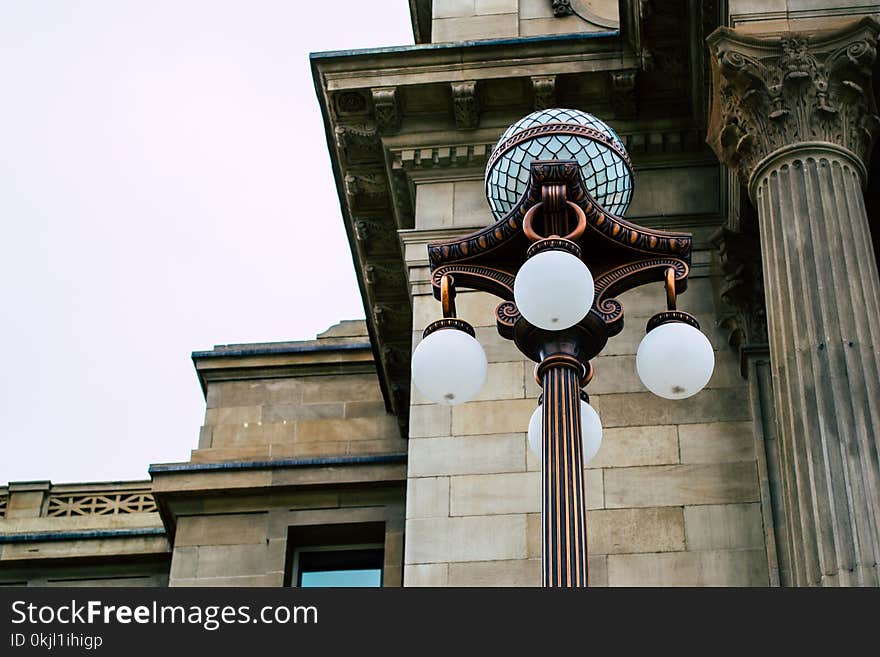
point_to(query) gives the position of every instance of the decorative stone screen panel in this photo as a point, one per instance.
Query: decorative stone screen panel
(100, 505)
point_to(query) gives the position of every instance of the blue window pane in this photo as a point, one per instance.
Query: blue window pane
(342, 578)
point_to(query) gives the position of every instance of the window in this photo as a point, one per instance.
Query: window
(336, 555)
(339, 566)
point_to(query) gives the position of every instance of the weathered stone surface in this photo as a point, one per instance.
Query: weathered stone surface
(643, 409)
(383, 446)
(360, 428)
(727, 526)
(253, 434)
(635, 530)
(709, 568)
(427, 497)
(232, 560)
(42, 523)
(348, 387)
(256, 581)
(533, 538)
(206, 436)
(478, 308)
(452, 8)
(718, 442)
(504, 416)
(594, 485)
(281, 412)
(633, 446)
(467, 455)
(255, 393)
(675, 485)
(426, 574)
(26, 504)
(518, 572)
(221, 529)
(597, 570)
(517, 492)
(503, 381)
(482, 7)
(501, 350)
(295, 450)
(233, 415)
(511, 493)
(242, 453)
(469, 204)
(434, 205)
(565, 25)
(679, 191)
(184, 561)
(95, 548)
(474, 27)
(474, 538)
(364, 408)
(429, 420)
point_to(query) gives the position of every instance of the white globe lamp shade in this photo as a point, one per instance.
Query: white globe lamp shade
(449, 366)
(591, 431)
(554, 290)
(675, 360)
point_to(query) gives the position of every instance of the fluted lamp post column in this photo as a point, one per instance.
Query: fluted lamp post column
(558, 183)
(794, 117)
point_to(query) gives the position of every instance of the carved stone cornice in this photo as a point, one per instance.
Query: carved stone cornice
(769, 93)
(366, 189)
(465, 104)
(358, 144)
(431, 157)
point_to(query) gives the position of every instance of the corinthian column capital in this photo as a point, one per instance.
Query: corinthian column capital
(772, 94)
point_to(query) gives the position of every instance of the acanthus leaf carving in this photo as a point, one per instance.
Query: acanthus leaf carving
(465, 104)
(386, 107)
(544, 87)
(744, 313)
(773, 92)
(358, 144)
(366, 185)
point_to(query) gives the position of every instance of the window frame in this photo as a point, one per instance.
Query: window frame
(377, 558)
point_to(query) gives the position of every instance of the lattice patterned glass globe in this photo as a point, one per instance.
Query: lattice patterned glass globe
(560, 134)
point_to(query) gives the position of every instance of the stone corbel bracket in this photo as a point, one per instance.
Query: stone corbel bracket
(465, 104)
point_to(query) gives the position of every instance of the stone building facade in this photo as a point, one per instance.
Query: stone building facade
(750, 125)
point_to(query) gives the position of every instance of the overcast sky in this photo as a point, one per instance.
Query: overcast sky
(151, 155)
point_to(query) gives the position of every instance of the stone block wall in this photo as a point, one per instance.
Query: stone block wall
(673, 496)
(467, 20)
(296, 418)
(296, 403)
(229, 539)
(283, 418)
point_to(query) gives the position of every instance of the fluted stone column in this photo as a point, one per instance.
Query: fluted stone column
(794, 118)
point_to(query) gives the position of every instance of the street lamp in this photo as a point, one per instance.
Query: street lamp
(558, 183)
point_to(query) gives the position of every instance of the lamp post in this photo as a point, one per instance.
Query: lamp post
(558, 183)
